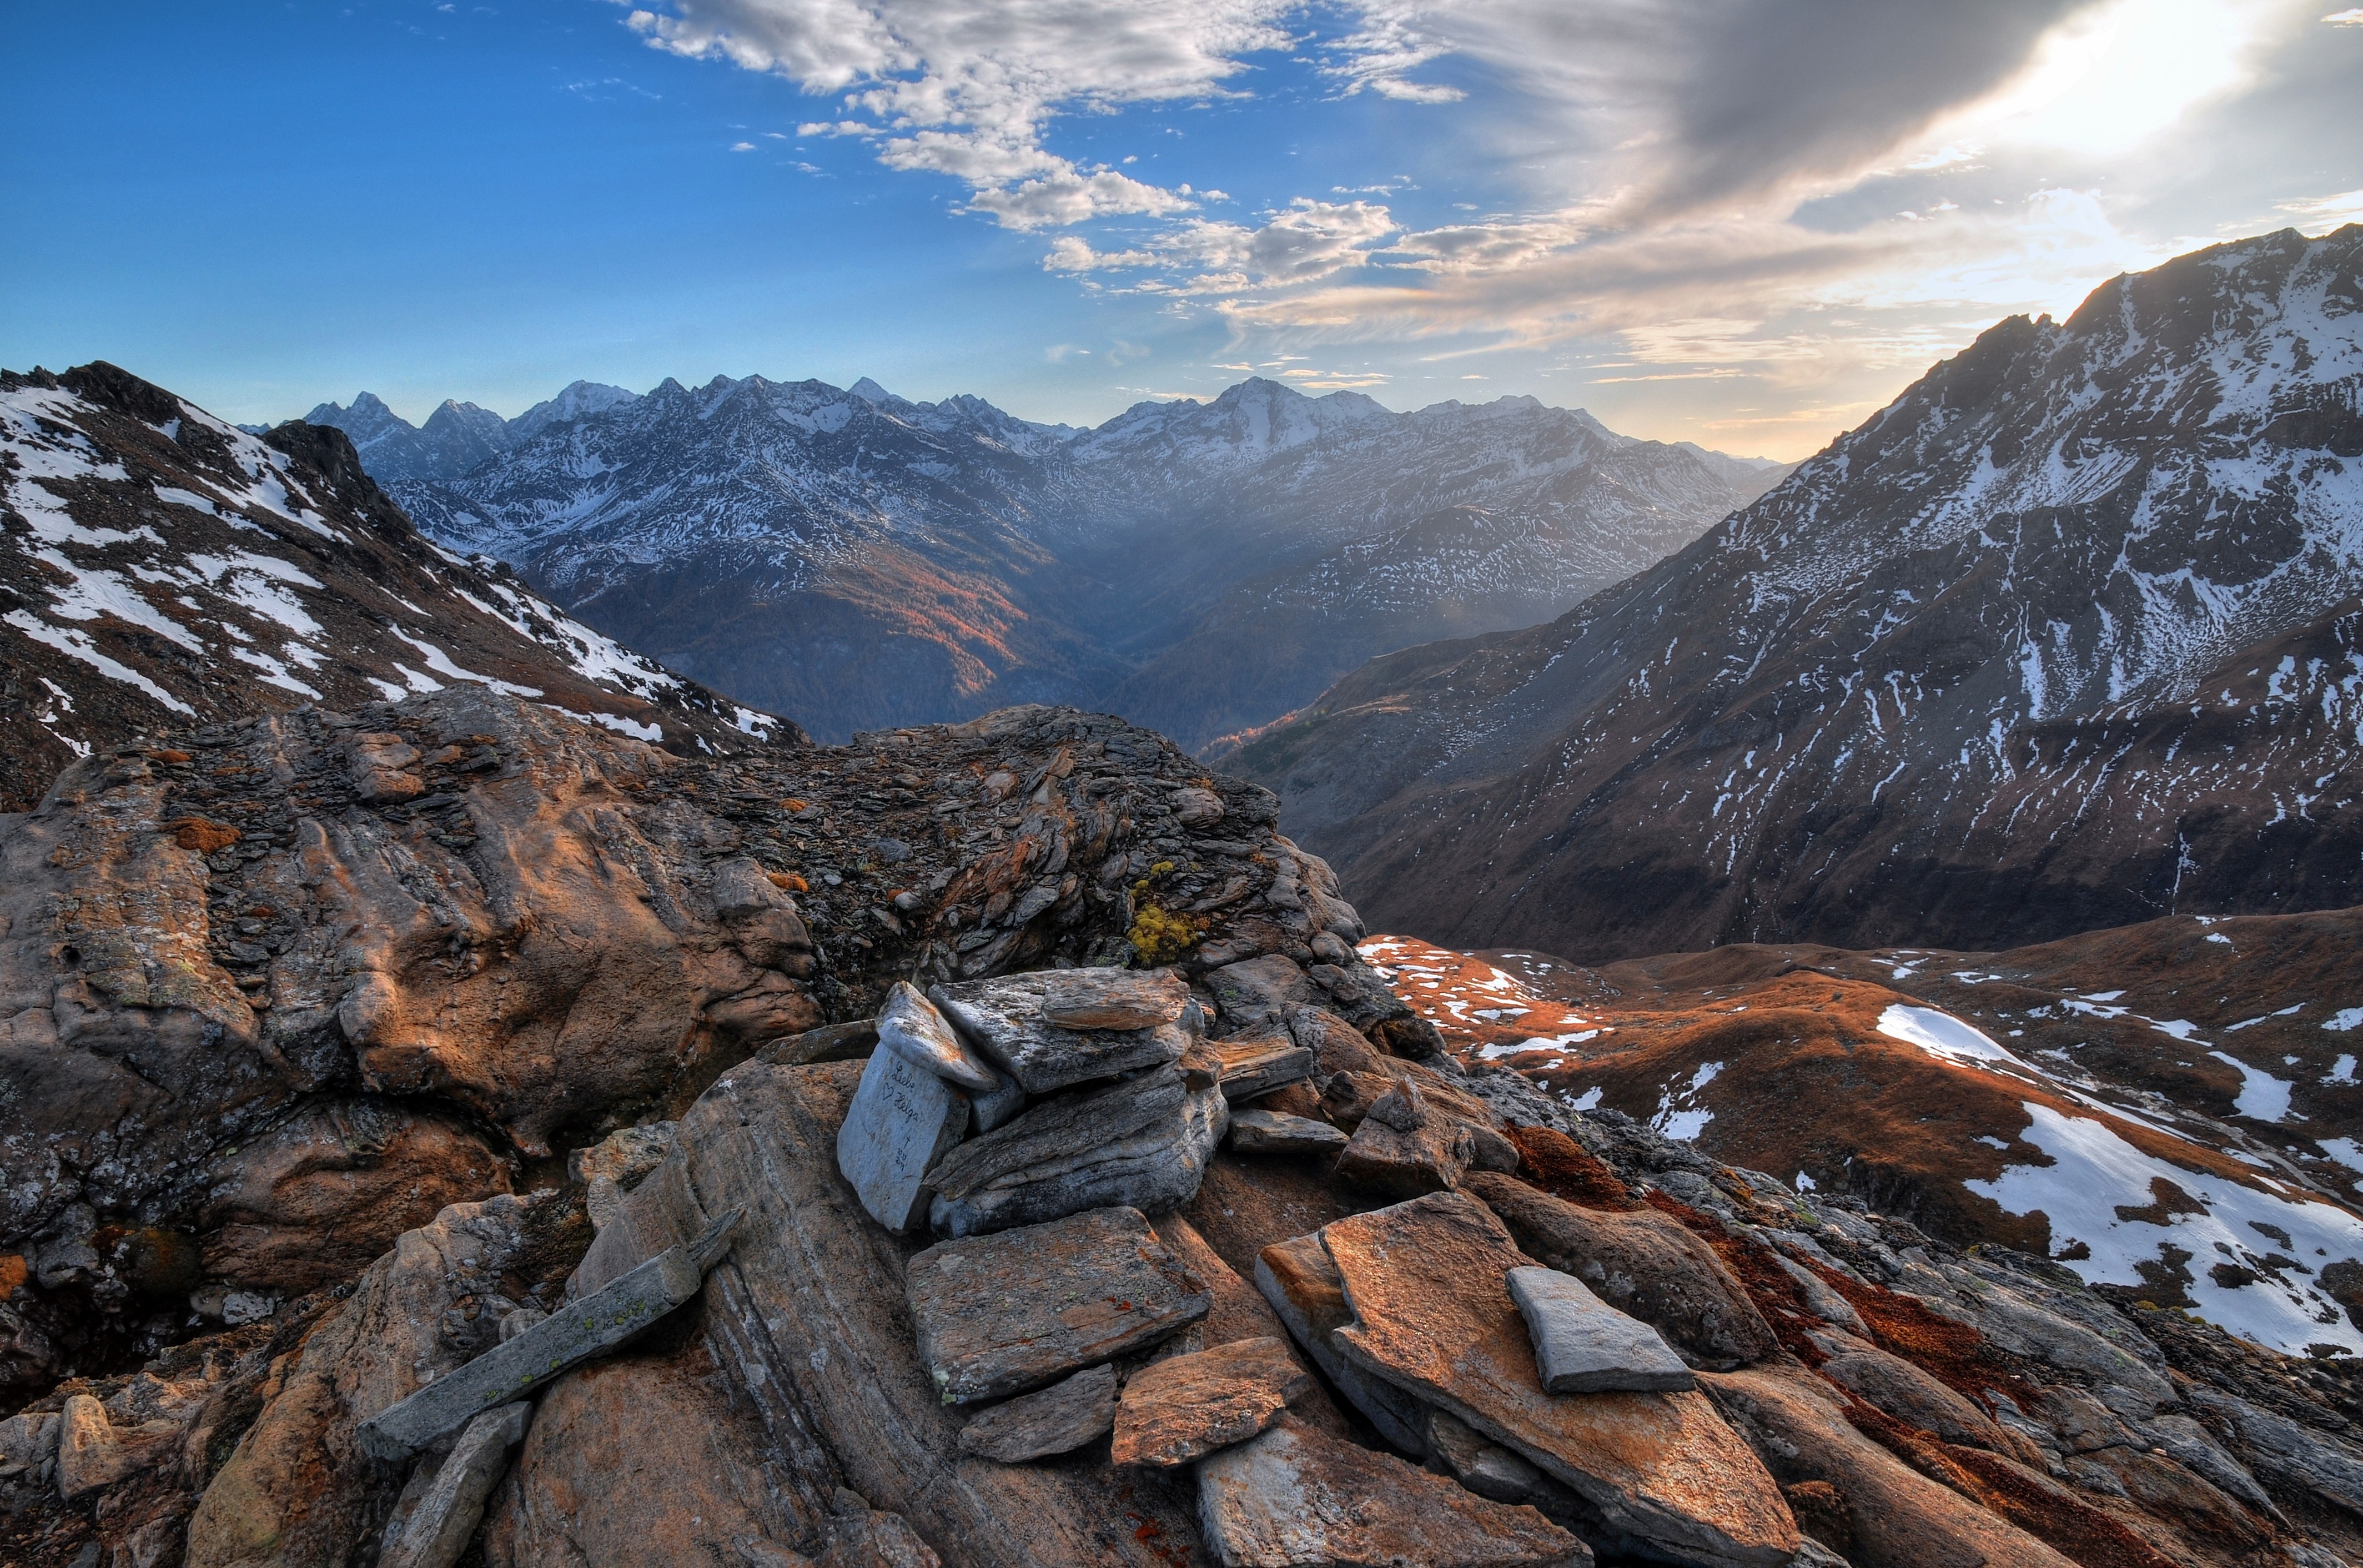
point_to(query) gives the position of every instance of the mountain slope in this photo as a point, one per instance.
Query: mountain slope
(2066, 637)
(860, 559)
(158, 567)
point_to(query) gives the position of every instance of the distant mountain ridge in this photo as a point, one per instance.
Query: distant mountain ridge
(2071, 634)
(860, 559)
(161, 568)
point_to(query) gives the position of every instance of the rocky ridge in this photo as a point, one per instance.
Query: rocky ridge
(1284, 1357)
(2065, 638)
(159, 568)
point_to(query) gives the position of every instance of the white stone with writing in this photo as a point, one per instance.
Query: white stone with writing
(904, 1118)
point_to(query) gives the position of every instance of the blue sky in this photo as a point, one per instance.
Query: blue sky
(1744, 222)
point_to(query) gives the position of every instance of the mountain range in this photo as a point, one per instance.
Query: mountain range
(2068, 636)
(860, 560)
(160, 568)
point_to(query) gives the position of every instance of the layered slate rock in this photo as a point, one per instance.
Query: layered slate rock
(1294, 1496)
(1005, 1313)
(1142, 1143)
(1003, 1019)
(437, 1527)
(1276, 1132)
(1114, 998)
(1432, 1315)
(1584, 1346)
(1065, 1415)
(1642, 1263)
(1257, 1065)
(910, 1026)
(1183, 1408)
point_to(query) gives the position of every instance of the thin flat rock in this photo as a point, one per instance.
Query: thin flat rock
(1276, 1132)
(1583, 1345)
(1114, 998)
(1295, 1498)
(1258, 1066)
(1010, 1312)
(909, 1026)
(1003, 1019)
(1057, 1419)
(903, 1120)
(1432, 1315)
(1187, 1407)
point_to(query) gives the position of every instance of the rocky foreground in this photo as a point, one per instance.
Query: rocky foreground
(980, 1144)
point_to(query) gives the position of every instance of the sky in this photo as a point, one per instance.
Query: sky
(1747, 223)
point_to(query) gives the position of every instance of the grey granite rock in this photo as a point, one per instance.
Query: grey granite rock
(903, 1120)
(1583, 1345)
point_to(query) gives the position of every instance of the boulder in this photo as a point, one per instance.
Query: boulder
(1893, 1516)
(1337, 1045)
(1407, 1154)
(2281, 1450)
(642, 1462)
(1065, 1415)
(1271, 1132)
(1432, 1317)
(442, 1519)
(1896, 1387)
(1003, 1019)
(623, 1156)
(1294, 1496)
(1640, 1262)
(28, 1442)
(1584, 1346)
(905, 1119)
(93, 1453)
(909, 1026)
(1185, 1407)
(1140, 1142)
(1114, 998)
(1013, 1311)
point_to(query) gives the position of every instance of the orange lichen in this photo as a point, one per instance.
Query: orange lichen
(198, 834)
(1563, 1168)
(788, 880)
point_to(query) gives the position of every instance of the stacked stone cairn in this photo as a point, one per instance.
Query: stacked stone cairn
(1035, 1121)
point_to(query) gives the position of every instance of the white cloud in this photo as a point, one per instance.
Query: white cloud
(1306, 241)
(2323, 213)
(2353, 19)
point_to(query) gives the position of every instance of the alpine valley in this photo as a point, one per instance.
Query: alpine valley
(1645, 1008)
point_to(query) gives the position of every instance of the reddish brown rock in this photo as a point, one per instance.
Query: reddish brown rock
(1433, 1316)
(1895, 1516)
(1185, 1407)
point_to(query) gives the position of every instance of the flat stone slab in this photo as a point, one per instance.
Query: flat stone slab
(903, 1120)
(1295, 1496)
(909, 1026)
(1302, 1286)
(1114, 998)
(1276, 1132)
(1009, 1312)
(1186, 1407)
(1583, 1345)
(1139, 1144)
(514, 1368)
(1252, 1067)
(1433, 1316)
(1003, 1019)
(1057, 1419)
